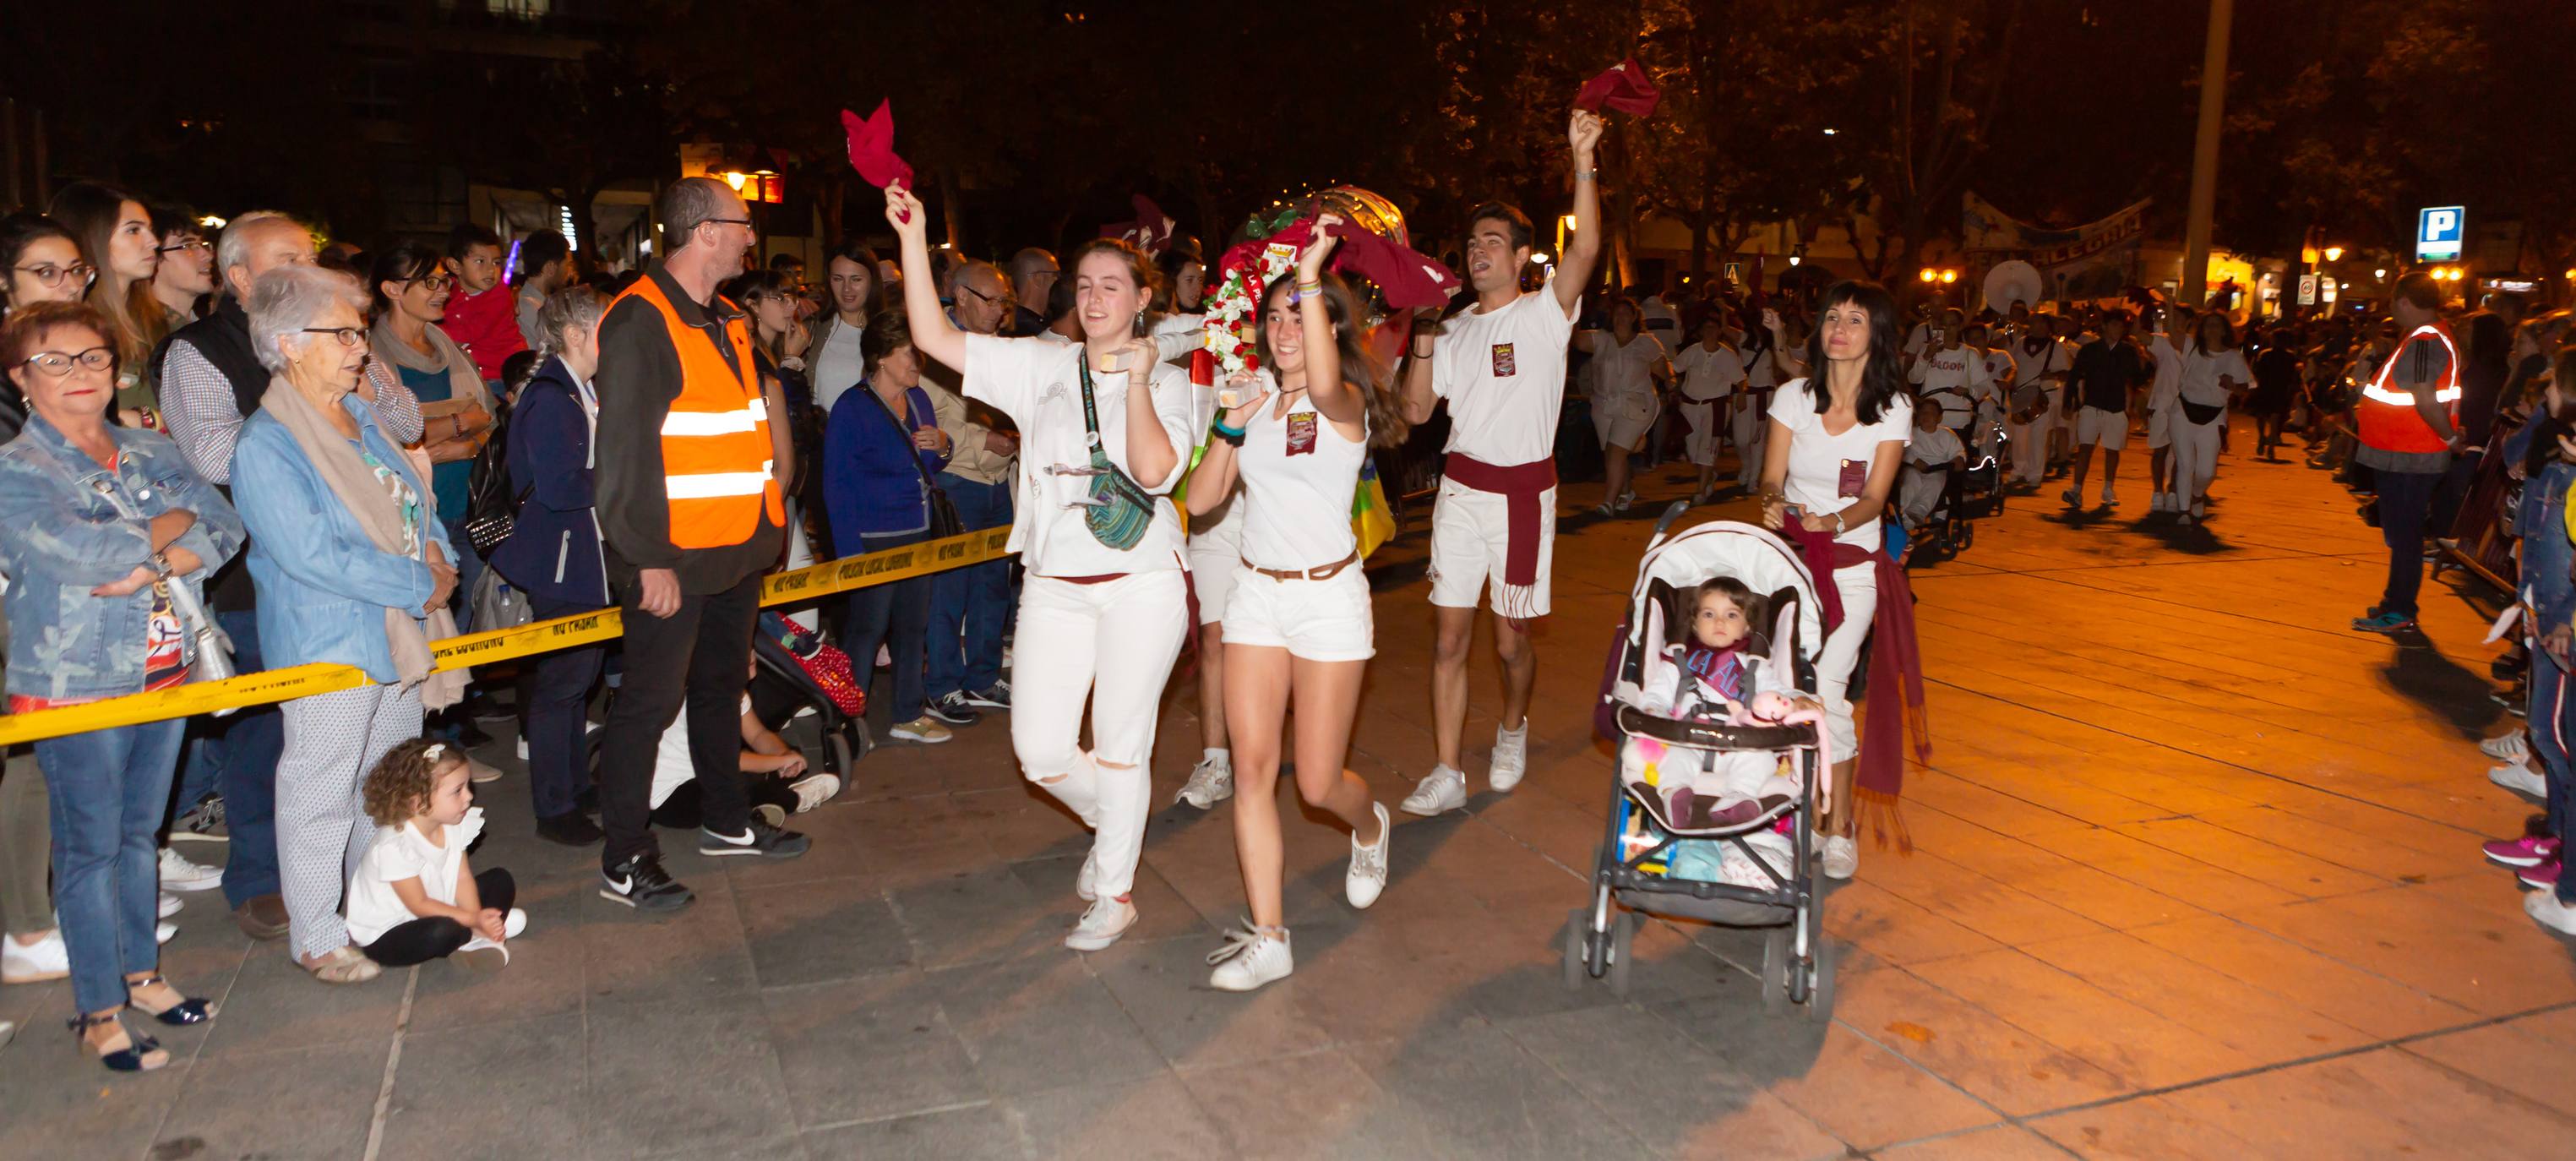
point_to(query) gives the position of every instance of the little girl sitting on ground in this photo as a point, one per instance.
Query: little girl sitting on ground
(414, 899)
(1701, 789)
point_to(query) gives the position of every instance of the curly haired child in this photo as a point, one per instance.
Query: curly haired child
(414, 898)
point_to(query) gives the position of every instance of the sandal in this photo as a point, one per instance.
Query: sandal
(140, 1054)
(345, 965)
(189, 1009)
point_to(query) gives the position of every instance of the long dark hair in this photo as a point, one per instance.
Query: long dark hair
(1882, 377)
(752, 286)
(1360, 368)
(23, 229)
(402, 262)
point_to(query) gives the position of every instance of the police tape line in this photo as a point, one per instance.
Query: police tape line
(276, 685)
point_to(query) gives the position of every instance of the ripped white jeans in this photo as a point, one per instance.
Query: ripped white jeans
(1112, 644)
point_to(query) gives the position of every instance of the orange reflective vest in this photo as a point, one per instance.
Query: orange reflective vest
(2388, 417)
(716, 454)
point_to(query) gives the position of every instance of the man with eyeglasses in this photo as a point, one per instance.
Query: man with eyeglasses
(187, 271)
(211, 380)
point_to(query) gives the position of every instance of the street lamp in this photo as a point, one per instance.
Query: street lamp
(2334, 253)
(1948, 276)
(1929, 274)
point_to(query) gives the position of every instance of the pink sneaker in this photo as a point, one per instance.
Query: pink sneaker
(2543, 877)
(2527, 851)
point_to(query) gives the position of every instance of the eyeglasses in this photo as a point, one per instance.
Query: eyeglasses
(349, 336)
(51, 276)
(745, 223)
(57, 364)
(190, 246)
(980, 295)
(435, 282)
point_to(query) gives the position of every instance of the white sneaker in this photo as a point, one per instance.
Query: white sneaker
(1086, 882)
(478, 771)
(2512, 746)
(1511, 757)
(2157, 504)
(2185, 518)
(2520, 778)
(921, 730)
(1445, 790)
(1250, 958)
(178, 874)
(169, 905)
(7, 1030)
(523, 749)
(161, 932)
(1367, 876)
(1842, 857)
(35, 963)
(514, 924)
(2552, 914)
(1102, 925)
(814, 790)
(1211, 782)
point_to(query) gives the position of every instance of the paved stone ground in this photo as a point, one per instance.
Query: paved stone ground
(2196, 877)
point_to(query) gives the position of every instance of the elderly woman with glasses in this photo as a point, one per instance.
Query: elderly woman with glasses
(110, 536)
(353, 567)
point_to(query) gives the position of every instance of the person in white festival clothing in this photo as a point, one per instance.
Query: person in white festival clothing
(1298, 628)
(1629, 370)
(1501, 366)
(1772, 355)
(1104, 429)
(2039, 365)
(1837, 443)
(1710, 371)
(2213, 375)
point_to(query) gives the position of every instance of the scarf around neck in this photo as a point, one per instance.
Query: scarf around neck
(464, 382)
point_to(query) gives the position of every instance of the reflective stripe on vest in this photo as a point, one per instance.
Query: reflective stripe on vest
(716, 453)
(2388, 418)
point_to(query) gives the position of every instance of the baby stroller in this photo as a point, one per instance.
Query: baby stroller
(1946, 532)
(799, 671)
(1981, 487)
(1634, 865)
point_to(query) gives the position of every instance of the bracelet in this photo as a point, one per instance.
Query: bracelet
(1306, 290)
(1233, 435)
(1838, 524)
(1585, 174)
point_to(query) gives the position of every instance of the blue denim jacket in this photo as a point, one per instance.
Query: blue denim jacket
(60, 538)
(2546, 552)
(323, 585)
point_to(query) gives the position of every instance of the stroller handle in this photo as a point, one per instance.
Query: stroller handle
(1664, 523)
(1637, 723)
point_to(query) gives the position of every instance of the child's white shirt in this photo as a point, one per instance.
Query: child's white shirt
(402, 852)
(1934, 448)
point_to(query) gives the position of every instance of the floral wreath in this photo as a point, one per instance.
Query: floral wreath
(1267, 253)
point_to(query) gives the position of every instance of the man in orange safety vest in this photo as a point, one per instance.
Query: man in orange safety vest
(2408, 419)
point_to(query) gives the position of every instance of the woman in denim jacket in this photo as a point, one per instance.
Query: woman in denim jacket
(2549, 596)
(104, 522)
(353, 568)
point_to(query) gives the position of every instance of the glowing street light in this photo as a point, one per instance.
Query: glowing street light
(1928, 274)
(1948, 276)
(2334, 253)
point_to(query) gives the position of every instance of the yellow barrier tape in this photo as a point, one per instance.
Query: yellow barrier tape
(276, 685)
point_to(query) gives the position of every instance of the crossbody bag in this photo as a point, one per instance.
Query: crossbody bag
(1119, 510)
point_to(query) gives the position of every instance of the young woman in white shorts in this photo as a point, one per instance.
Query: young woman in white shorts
(1298, 627)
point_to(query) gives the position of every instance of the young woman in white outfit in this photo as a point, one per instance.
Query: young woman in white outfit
(1104, 425)
(1837, 443)
(1298, 628)
(2213, 372)
(1710, 370)
(1628, 365)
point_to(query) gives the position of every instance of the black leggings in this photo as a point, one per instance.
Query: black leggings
(423, 940)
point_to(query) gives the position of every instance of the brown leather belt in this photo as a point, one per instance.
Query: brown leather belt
(1327, 572)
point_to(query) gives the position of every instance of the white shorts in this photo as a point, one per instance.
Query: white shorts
(1318, 620)
(1622, 422)
(1215, 553)
(2107, 428)
(1469, 542)
(2158, 432)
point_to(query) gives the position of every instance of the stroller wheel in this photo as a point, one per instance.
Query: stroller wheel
(1820, 982)
(1623, 944)
(1577, 932)
(837, 756)
(1776, 949)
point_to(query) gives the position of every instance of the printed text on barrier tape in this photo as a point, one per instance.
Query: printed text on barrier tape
(275, 685)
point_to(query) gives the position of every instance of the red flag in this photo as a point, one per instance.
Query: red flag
(872, 147)
(1408, 278)
(1624, 88)
(1152, 231)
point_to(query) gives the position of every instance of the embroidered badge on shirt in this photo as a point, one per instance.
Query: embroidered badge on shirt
(1503, 364)
(1855, 475)
(1301, 433)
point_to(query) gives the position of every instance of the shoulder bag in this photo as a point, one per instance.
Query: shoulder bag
(1119, 510)
(943, 513)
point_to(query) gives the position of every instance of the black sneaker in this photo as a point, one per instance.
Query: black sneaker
(203, 822)
(952, 709)
(757, 838)
(641, 883)
(572, 829)
(995, 696)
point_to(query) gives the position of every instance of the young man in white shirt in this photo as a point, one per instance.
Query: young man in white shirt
(2040, 363)
(1501, 366)
(1710, 371)
(1951, 374)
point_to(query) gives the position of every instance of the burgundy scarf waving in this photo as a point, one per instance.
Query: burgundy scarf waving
(1896, 664)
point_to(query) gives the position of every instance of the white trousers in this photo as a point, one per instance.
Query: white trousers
(1113, 644)
(1859, 585)
(1752, 426)
(1918, 490)
(2030, 446)
(332, 741)
(2195, 454)
(1701, 444)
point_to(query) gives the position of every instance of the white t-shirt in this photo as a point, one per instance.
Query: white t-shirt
(838, 366)
(1298, 475)
(1956, 378)
(1828, 473)
(1934, 448)
(1039, 385)
(1707, 374)
(1503, 373)
(672, 767)
(1625, 372)
(2201, 369)
(398, 853)
(2028, 365)
(2167, 385)
(1919, 338)
(1999, 366)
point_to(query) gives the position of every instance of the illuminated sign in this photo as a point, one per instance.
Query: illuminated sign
(2438, 230)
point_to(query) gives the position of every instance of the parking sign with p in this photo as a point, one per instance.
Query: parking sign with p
(2438, 230)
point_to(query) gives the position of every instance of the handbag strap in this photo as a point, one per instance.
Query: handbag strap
(1091, 434)
(909, 452)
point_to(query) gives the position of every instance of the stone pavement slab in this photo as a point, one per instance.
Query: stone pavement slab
(2195, 875)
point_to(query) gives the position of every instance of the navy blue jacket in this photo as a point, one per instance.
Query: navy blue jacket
(553, 550)
(871, 484)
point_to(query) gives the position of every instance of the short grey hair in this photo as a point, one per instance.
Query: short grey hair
(575, 309)
(233, 247)
(686, 205)
(286, 300)
(957, 275)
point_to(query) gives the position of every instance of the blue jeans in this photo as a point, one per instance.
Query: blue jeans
(110, 789)
(968, 605)
(896, 616)
(558, 695)
(2405, 504)
(2553, 721)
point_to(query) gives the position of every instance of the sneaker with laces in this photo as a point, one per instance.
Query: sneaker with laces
(1101, 925)
(1211, 782)
(2519, 777)
(921, 730)
(952, 709)
(1445, 790)
(178, 874)
(641, 883)
(1251, 958)
(202, 823)
(994, 696)
(1842, 857)
(759, 837)
(35, 963)
(169, 905)
(2542, 878)
(2510, 746)
(2110, 499)
(1511, 757)
(2072, 500)
(1086, 882)
(1367, 877)
(2527, 851)
(2383, 621)
(814, 790)
(2544, 907)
